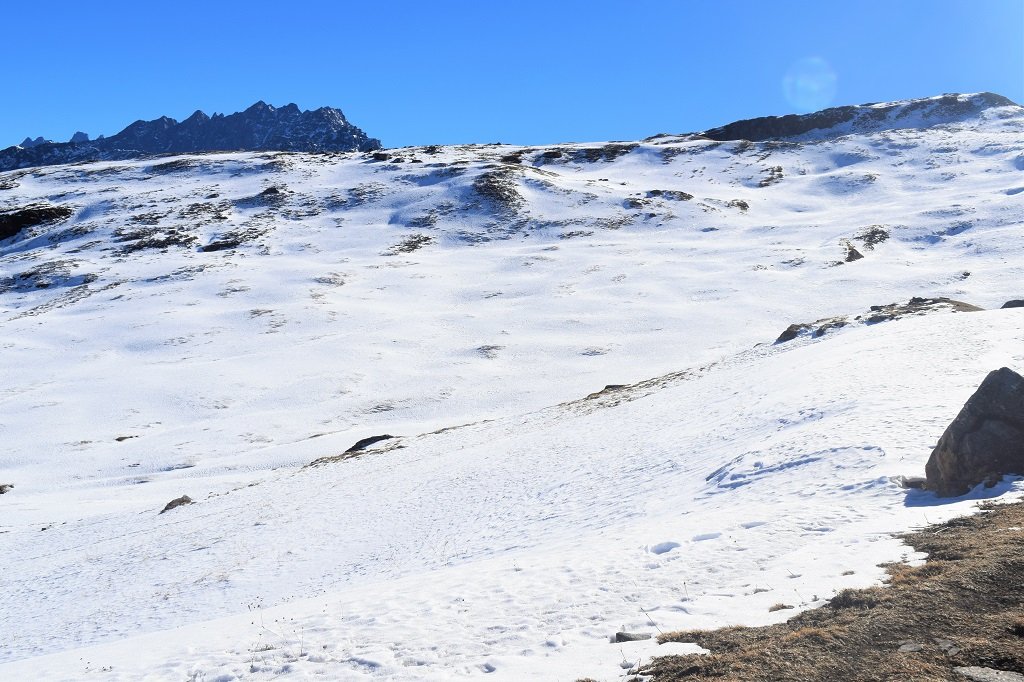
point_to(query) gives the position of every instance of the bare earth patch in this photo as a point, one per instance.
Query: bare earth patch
(964, 607)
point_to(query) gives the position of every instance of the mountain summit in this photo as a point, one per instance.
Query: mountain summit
(261, 127)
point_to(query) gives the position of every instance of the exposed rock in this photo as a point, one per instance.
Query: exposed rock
(985, 441)
(791, 332)
(919, 113)
(672, 194)
(261, 127)
(632, 636)
(876, 314)
(916, 305)
(816, 329)
(13, 222)
(367, 442)
(4, 487)
(1016, 303)
(980, 674)
(852, 253)
(610, 388)
(608, 152)
(177, 502)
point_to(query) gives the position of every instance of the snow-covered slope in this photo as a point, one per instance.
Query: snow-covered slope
(210, 325)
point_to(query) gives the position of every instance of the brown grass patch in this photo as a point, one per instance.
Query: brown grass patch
(964, 607)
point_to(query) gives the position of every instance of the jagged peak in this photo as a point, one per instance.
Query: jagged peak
(259, 107)
(261, 127)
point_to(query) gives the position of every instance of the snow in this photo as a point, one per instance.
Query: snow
(514, 525)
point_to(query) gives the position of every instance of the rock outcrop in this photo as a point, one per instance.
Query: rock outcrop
(177, 502)
(876, 314)
(985, 441)
(918, 113)
(261, 127)
(14, 221)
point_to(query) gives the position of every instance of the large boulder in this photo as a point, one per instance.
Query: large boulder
(985, 441)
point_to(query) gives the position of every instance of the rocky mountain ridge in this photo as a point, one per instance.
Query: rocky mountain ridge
(261, 127)
(863, 118)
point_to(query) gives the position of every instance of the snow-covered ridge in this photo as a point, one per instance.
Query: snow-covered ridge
(211, 324)
(868, 118)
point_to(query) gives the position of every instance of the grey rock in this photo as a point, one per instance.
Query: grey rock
(985, 441)
(910, 647)
(914, 482)
(1015, 303)
(4, 487)
(177, 502)
(632, 636)
(979, 674)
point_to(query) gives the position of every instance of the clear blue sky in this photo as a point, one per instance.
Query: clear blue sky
(515, 71)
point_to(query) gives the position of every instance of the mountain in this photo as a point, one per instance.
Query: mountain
(261, 127)
(595, 425)
(865, 118)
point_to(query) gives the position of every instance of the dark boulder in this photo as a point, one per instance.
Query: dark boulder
(177, 502)
(1016, 303)
(985, 441)
(367, 442)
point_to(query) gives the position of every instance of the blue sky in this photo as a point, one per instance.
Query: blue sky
(514, 71)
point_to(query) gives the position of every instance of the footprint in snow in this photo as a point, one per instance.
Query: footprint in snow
(706, 536)
(662, 547)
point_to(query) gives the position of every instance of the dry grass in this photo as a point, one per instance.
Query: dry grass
(964, 607)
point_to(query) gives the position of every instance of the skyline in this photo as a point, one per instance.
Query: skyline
(455, 72)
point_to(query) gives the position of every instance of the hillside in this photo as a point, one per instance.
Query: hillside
(210, 325)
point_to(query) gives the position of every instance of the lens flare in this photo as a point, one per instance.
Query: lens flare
(809, 84)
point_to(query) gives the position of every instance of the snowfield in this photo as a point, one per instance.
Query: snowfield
(226, 326)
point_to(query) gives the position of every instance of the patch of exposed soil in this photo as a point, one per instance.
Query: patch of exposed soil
(964, 607)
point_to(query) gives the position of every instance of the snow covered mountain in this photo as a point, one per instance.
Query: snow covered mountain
(261, 127)
(573, 349)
